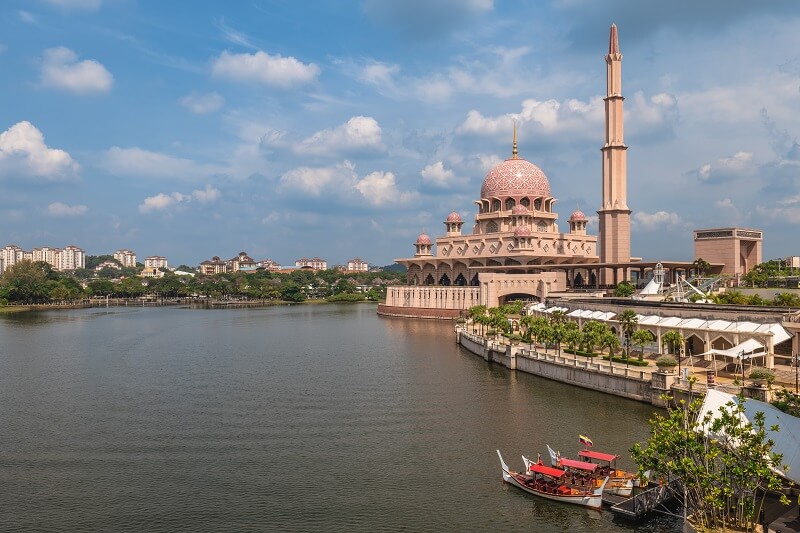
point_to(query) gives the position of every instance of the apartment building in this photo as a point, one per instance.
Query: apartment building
(126, 258)
(68, 258)
(315, 264)
(357, 265)
(155, 261)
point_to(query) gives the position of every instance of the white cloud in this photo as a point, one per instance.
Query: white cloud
(379, 188)
(263, 68)
(58, 209)
(76, 4)
(740, 164)
(62, 70)
(725, 203)
(26, 16)
(658, 220)
(380, 74)
(202, 103)
(162, 201)
(357, 134)
(313, 180)
(786, 210)
(22, 150)
(437, 175)
(209, 194)
(138, 162)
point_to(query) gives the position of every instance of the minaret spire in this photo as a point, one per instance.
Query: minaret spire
(613, 41)
(514, 154)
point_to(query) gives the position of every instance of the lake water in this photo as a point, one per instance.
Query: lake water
(291, 418)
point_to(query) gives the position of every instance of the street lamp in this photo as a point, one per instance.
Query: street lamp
(796, 367)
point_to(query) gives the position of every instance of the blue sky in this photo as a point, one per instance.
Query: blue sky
(344, 128)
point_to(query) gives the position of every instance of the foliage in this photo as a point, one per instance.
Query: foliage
(512, 308)
(641, 337)
(762, 373)
(666, 361)
(514, 338)
(619, 359)
(701, 266)
(292, 292)
(674, 340)
(592, 333)
(788, 402)
(624, 290)
(26, 282)
(610, 340)
(628, 320)
(725, 473)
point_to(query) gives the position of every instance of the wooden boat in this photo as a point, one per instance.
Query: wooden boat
(555, 484)
(584, 471)
(620, 482)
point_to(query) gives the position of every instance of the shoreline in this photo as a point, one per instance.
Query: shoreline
(190, 302)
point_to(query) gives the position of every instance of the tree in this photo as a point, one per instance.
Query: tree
(641, 337)
(292, 292)
(725, 471)
(592, 332)
(610, 340)
(26, 282)
(572, 335)
(628, 320)
(101, 287)
(787, 299)
(624, 290)
(673, 340)
(701, 266)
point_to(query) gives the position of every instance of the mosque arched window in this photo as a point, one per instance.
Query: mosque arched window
(537, 204)
(510, 204)
(491, 227)
(495, 205)
(526, 202)
(541, 226)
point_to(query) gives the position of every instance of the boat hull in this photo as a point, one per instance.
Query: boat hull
(587, 500)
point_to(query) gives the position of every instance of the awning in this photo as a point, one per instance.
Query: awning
(546, 470)
(745, 350)
(600, 456)
(580, 465)
(787, 439)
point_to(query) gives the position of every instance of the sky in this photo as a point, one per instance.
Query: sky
(345, 128)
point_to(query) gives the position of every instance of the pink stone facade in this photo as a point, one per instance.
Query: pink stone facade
(738, 248)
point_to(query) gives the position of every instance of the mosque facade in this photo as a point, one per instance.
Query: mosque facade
(516, 247)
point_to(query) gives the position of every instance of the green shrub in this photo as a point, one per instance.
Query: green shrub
(762, 373)
(491, 332)
(632, 362)
(666, 361)
(346, 297)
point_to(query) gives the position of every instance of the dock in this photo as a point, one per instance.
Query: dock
(650, 499)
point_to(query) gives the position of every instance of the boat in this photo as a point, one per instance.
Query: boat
(620, 482)
(555, 484)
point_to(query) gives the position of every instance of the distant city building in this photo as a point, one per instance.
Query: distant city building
(155, 261)
(241, 262)
(126, 258)
(107, 264)
(69, 258)
(793, 261)
(215, 266)
(152, 272)
(314, 264)
(357, 265)
(268, 264)
(739, 249)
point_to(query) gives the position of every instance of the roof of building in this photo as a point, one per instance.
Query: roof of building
(515, 177)
(577, 215)
(423, 239)
(522, 231)
(454, 217)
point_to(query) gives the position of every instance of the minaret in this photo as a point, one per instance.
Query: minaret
(615, 217)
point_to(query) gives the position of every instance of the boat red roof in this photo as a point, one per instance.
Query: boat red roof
(546, 470)
(582, 465)
(589, 454)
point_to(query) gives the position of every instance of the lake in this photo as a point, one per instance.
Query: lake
(288, 418)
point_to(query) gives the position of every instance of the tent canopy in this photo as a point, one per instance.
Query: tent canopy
(745, 350)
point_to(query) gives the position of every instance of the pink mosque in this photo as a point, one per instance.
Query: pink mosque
(516, 248)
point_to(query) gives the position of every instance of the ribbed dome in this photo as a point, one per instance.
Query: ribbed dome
(454, 217)
(423, 239)
(520, 209)
(577, 215)
(522, 231)
(515, 177)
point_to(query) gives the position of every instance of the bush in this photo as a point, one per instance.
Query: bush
(666, 361)
(632, 362)
(581, 352)
(346, 297)
(491, 332)
(461, 320)
(514, 337)
(762, 373)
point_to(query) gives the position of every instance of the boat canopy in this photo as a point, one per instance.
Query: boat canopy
(546, 470)
(600, 456)
(581, 465)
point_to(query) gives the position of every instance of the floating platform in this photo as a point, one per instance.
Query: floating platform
(650, 499)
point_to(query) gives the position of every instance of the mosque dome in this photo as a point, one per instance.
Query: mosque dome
(515, 177)
(522, 231)
(577, 215)
(454, 217)
(520, 209)
(423, 239)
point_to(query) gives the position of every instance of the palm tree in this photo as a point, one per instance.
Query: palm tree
(572, 335)
(673, 340)
(592, 332)
(628, 320)
(641, 337)
(611, 341)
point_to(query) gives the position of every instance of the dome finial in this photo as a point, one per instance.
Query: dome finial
(514, 145)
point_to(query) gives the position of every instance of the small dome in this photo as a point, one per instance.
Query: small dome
(423, 239)
(577, 215)
(522, 231)
(515, 177)
(520, 209)
(454, 217)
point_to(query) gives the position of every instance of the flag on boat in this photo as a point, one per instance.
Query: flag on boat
(586, 441)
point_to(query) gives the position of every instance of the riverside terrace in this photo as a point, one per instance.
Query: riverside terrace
(731, 333)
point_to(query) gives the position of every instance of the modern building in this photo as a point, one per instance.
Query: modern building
(107, 264)
(357, 265)
(72, 258)
(152, 272)
(155, 261)
(10, 255)
(739, 249)
(127, 258)
(241, 262)
(68, 258)
(268, 264)
(214, 266)
(314, 264)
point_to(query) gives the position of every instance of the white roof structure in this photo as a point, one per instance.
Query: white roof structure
(787, 440)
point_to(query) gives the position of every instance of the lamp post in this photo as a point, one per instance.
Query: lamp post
(796, 367)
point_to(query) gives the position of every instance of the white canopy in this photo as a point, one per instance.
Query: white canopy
(746, 350)
(787, 440)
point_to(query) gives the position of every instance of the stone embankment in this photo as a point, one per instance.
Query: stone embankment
(612, 378)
